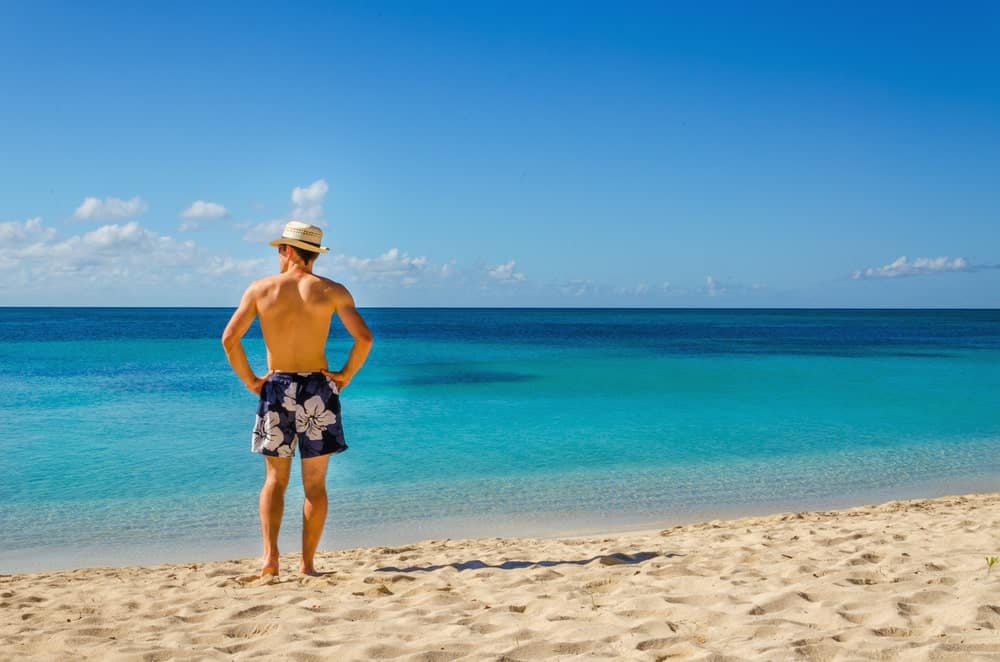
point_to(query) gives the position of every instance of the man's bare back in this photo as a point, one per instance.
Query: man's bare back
(299, 397)
(295, 309)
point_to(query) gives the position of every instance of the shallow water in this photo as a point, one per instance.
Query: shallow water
(128, 435)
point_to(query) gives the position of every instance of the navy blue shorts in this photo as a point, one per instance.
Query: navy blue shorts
(298, 409)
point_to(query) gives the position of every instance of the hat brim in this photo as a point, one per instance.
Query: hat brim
(305, 245)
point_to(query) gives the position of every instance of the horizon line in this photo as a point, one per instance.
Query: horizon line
(761, 308)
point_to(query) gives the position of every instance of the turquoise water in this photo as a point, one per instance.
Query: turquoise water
(128, 436)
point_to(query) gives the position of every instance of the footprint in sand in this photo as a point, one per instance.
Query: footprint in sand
(250, 630)
(388, 579)
(867, 557)
(252, 611)
(891, 632)
(249, 581)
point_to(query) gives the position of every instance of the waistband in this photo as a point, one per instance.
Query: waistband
(289, 375)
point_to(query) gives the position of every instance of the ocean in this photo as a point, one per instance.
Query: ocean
(128, 436)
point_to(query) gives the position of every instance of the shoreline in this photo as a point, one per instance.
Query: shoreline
(902, 579)
(519, 525)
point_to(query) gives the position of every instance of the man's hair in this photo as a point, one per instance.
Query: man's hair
(307, 256)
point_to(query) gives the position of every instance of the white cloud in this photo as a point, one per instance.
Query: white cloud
(714, 288)
(307, 206)
(664, 292)
(585, 288)
(200, 210)
(117, 245)
(637, 291)
(108, 256)
(266, 231)
(918, 267)
(95, 209)
(307, 202)
(12, 232)
(579, 288)
(393, 267)
(666, 288)
(505, 273)
(219, 265)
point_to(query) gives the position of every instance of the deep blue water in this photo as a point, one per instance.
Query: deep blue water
(127, 431)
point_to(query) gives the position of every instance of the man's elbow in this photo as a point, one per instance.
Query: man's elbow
(364, 338)
(229, 340)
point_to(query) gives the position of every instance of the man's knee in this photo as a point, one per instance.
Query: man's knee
(277, 472)
(314, 477)
(276, 482)
(314, 490)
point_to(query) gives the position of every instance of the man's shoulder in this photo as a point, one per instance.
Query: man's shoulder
(328, 282)
(263, 283)
(333, 293)
(330, 287)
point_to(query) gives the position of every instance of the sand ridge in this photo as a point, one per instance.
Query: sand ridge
(905, 580)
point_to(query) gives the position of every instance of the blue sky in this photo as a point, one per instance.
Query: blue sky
(573, 154)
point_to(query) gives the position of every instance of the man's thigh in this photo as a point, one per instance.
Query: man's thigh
(277, 469)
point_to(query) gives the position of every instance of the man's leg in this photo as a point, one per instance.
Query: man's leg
(272, 505)
(314, 508)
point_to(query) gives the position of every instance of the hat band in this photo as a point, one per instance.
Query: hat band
(304, 241)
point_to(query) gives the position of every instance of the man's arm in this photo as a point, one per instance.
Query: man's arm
(232, 342)
(355, 325)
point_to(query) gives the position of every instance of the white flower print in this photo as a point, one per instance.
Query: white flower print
(291, 393)
(312, 417)
(267, 432)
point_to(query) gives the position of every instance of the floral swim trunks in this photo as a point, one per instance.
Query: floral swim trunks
(298, 409)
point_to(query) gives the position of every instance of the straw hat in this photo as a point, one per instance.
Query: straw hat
(303, 235)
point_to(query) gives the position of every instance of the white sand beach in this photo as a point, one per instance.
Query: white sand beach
(905, 580)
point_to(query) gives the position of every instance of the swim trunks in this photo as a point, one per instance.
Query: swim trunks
(298, 409)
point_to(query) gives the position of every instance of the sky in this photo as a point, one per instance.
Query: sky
(765, 154)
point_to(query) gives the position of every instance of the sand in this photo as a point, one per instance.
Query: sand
(904, 580)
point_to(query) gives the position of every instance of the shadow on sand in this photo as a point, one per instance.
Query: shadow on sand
(617, 558)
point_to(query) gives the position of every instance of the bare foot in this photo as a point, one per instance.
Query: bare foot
(270, 568)
(309, 570)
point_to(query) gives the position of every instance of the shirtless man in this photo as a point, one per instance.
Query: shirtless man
(299, 401)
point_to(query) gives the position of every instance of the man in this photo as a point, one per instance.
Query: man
(299, 401)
